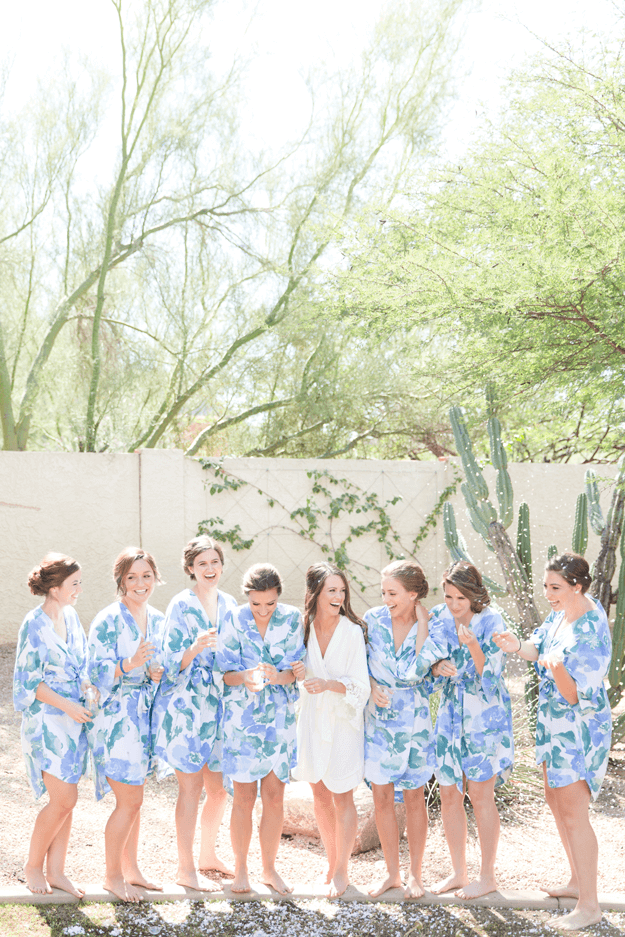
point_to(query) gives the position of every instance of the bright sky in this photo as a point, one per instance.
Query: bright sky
(290, 35)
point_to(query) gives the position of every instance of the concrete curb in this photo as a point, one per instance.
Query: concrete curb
(528, 900)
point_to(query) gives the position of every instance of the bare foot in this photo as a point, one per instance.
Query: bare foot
(481, 886)
(326, 878)
(36, 880)
(214, 864)
(391, 881)
(414, 888)
(122, 889)
(447, 884)
(274, 881)
(578, 918)
(61, 881)
(563, 891)
(191, 879)
(338, 885)
(241, 882)
(137, 878)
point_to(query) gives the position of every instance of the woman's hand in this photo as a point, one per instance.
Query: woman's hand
(271, 674)
(553, 662)
(507, 641)
(315, 685)
(141, 656)
(205, 639)
(299, 669)
(253, 679)
(76, 711)
(379, 696)
(466, 636)
(423, 616)
(444, 668)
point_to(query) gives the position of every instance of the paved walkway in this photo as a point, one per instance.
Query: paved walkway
(529, 900)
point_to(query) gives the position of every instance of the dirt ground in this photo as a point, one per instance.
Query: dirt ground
(530, 854)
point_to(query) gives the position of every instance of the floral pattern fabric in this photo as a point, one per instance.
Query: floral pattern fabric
(121, 737)
(259, 731)
(188, 710)
(51, 740)
(399, 739)
(474, 721)
(574, 740)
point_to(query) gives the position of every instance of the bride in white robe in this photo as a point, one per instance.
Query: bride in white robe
(330, 731)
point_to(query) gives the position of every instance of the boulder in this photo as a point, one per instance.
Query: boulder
(299, 815)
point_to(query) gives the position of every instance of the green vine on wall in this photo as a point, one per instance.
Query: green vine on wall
(330, 499)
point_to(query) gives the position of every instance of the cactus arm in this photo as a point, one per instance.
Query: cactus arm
(478, 521)
(523, 541)
(500, 462)
(472, 471)
(580, 526)
(617, 664)
(552, 551)
(458, 548)
(606, 561)
(515, 578)
(595, 514)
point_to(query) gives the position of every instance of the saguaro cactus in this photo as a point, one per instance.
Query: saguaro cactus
(580, 527)
(483, 515)
(458, 549)
(610, 533)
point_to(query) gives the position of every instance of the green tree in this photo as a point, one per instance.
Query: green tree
(155, 293)
(516, 255)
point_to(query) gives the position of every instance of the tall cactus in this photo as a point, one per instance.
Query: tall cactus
(580, 527)
(595, 514)
(457, 547)
(617, 664)
(523, 540)
(484, 517)
(606, 561)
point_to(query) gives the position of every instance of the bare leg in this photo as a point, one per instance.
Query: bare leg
(212, 815)
(346, 828)
(416, 831)
(482, 794)
(241, 831)
(455, 826)
(572, 889)
(128, 800)
(572, 805)
(272, 794)
(130, 866)
(55, 862)
(326, 821)
(189, 792)
(386, 822)
(48, 825)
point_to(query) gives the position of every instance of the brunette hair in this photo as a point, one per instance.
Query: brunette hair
(52, 572)
(123, 563)
(572, 567)
(468, 580)
(260, 578)
(197, 546)
(316, 576)
(409, 574)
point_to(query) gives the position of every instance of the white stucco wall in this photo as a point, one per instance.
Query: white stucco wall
(93, 505)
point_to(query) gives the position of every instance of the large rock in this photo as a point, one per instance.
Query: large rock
(299, 815)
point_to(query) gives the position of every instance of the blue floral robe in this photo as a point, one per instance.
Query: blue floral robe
(187, 714)
(121, 738)
(259, 729)
(474, 721)
(399, 739)
(574, 741)
(51, 740)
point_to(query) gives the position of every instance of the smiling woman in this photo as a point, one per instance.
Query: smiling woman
(122, 640)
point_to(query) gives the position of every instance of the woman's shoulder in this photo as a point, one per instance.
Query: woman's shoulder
(229, 600)
(72, 615)
(351, 628)
(108, 613)
(377, 613)
(155, 614)
(288, 611)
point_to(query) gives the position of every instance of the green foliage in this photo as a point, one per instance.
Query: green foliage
(552, 551)
(580, 526)
(214, 528)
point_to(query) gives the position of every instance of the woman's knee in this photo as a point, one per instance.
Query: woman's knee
(481, 794)
(383, 796)
(244, 796)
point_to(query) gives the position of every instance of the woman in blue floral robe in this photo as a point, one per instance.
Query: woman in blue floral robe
(473, 726)
(399, 741)
(48, 685)
(122, 640)
(256, 647)
(572, 650)
(187, 714)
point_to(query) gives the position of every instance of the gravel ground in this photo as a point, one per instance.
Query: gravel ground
(530, 854)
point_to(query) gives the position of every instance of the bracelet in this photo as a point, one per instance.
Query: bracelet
(121, 666)
(520, 645)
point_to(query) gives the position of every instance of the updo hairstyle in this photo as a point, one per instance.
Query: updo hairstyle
(123, 564)
(409, 574)
(316, 576)
(52, 572)
(468, 580)
(197, 546)
(260, 578)
(572, 567)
